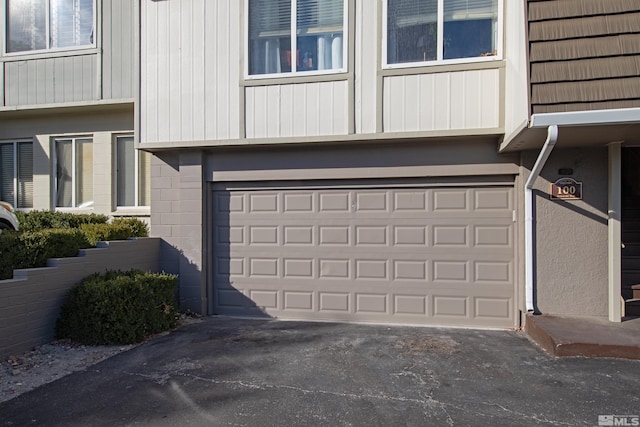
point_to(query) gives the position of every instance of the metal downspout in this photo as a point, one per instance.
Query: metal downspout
(552, 137)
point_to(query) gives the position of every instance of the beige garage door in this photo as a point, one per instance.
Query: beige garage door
(440, 255)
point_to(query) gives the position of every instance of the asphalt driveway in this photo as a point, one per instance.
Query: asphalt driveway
(232, 372)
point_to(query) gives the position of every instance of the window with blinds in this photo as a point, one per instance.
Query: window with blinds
(16, 173)
(434, 31)
(293, 36)
(34, 25)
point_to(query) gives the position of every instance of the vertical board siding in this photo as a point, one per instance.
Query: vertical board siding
(366, 66)
(50, 80)
(309, 109)
(585, 55)
(190, 70)
(118, 45)
(442, 101)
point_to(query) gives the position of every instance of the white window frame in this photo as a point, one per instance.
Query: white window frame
(136, 166)
(14, 150)
(48, 48)
(440, 37)
(74, 173)
(294, 42)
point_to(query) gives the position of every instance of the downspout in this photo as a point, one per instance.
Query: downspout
(552, 137)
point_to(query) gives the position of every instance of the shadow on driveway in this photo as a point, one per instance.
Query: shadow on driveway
(235, 372)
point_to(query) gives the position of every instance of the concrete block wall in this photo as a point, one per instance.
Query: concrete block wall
(30, 302)
(177, 217)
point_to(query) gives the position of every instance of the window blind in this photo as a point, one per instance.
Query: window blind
(6, 173)
(319, 16)
(71, 22)
(269, 18)
(25, 175)
(404, 13)
(470, 9)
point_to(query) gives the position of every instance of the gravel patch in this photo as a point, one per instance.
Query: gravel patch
(49, 362)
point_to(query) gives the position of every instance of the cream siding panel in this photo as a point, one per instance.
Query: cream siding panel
(190, 82)
(198, 67)
(442, 101)
(119, 50)
(175, 65)
(366, 66)
(50, 80)
(516, 99)
(308, 109)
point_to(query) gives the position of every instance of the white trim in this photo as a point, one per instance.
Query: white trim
(440, 47)
(346, 18)
(48, 47)
(586, 118)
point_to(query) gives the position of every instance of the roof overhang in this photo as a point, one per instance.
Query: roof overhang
(578, 129)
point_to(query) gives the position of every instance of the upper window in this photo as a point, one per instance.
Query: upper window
(16, 173)
(437, 31)
(133, 168)
(49, 24)
(74, 172)
(296, 36)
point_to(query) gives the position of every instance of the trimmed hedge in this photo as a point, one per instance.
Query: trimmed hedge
(118, 308)
(119, 229)
(44, 235)
(26, 250)
(40, 220)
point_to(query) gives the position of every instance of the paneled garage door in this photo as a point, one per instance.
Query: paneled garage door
(435, 255)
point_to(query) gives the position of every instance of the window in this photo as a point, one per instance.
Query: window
(435, 31)
(49, 24)
(74, 172)
(16, 173)
(132, 174)
(296, 36)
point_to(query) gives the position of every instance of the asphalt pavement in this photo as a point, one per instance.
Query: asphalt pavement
(235, 372)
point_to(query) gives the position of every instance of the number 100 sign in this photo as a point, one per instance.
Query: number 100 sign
(566, 189)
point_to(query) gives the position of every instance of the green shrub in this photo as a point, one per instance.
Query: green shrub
(40, 220)
(32, 249)
(44, 235)
(118, 308)
(119, 229)
(138, 228)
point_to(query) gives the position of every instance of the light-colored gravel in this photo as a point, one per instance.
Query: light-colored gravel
(49, 362)
(22, 373)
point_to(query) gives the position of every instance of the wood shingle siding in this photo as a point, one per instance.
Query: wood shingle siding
(584, 54)
(546, 10)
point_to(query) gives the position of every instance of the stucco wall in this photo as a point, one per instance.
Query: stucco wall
(30, 302)
(571, 236)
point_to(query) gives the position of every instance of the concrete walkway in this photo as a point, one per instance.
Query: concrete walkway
(586, 337)
(232, 372)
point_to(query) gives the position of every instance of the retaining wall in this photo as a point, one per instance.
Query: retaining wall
(30, 302)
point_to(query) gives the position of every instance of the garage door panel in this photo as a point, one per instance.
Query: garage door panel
(407, 255)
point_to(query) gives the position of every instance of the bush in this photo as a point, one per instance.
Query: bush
(119, 229)
(44, 235)
(25, 250)
(118, 308)
(40, 220)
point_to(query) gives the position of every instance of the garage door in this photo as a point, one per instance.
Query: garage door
(431, 255)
